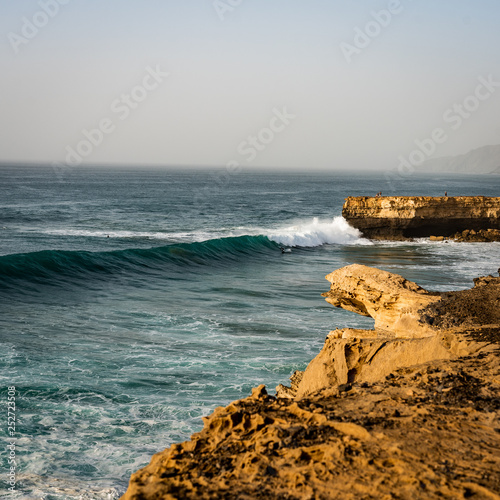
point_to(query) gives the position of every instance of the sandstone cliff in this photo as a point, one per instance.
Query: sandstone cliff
(401, 217)
(410, 409)
(409, 328)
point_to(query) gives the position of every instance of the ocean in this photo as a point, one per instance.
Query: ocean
(135, 301)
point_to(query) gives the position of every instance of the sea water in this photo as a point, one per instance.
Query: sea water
(135, 301)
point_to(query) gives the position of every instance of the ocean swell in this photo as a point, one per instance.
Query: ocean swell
(54, 266)
(51, 265)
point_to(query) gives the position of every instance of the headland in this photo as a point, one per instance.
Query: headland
(465, 218)
(409, 409)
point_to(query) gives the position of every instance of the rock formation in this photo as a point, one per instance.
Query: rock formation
(391, 300)
(410, 409)
(483, 235)
(408, 328)
(404, 217)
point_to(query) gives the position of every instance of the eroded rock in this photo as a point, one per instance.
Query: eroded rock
(391, 300)
(406, 217)
(412, 326)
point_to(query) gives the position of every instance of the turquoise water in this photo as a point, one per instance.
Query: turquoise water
(132, 302)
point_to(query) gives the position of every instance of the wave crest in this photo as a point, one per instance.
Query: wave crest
(317, 233)
(57, 266)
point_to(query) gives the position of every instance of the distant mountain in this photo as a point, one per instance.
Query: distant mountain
(484, 160)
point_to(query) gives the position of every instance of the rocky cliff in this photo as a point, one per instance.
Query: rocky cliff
(401, 217)
(409, 328)
(410, 409)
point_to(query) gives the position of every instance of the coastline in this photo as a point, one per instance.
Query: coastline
(369, 417)
(163, 331)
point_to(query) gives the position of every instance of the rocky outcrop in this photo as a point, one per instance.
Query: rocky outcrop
(405, 217)
(391, 300)
(410, 409)
(409, 328)
(483, 235)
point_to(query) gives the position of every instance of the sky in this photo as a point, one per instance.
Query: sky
(281, 84)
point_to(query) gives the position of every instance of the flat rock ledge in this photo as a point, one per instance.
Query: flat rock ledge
(410, 409)
(460, 218)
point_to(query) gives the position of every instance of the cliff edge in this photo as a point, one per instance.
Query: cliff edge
(410, 409)
(406, 217)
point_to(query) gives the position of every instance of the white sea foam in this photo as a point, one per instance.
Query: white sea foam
(306, 234)
(42, 487)
(316, 233)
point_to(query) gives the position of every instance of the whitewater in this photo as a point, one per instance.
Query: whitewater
(308, 233)
(129, 308)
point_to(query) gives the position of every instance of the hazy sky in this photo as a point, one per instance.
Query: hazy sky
(281, 83)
